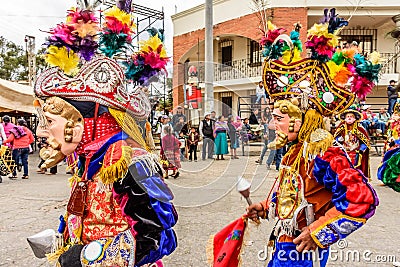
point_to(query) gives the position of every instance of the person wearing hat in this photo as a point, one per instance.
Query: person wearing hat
(206, 129)
(354, 139)
(319, 197)
(388, 171)
(120, 211)
(20, 138)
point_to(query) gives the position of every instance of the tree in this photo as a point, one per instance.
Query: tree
(168, 105)
(14, 61)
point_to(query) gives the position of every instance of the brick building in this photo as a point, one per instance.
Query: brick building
(237, 56)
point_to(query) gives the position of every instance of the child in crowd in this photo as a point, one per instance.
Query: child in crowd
(182, 138)
(193, 141)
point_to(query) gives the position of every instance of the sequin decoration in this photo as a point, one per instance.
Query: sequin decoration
(310, 77)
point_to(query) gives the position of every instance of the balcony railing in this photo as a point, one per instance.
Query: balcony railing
(236, 69)
(390, 62)
(243, 68)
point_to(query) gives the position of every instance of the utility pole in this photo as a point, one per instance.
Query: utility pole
(30, 53)
(209, 74)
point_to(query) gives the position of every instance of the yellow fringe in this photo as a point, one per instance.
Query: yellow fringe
(129, 126)
(118, 170)
(210, 250)
(74, 179)
(53, 257)
(313, 120)
(320, 141)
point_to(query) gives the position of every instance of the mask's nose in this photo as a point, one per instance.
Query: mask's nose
(42, 132)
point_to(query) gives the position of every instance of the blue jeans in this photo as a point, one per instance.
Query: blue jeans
(265, 148)
(259, 96)
(20, 156)
(366, 124)
(275, 153)
(392, 102)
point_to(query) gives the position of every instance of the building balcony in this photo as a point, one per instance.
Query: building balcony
(233, 70)
(245, 69)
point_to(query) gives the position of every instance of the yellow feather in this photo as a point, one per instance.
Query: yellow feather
(152, 44)
(120, 15)
(287, 55)
(60, 57)
(271, 26)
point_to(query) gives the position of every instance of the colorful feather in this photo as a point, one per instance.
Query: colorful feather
(63, 58)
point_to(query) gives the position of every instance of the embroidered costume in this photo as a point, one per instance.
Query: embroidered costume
(355, 140)
(120, 211)
(319, 197)
(389, 171)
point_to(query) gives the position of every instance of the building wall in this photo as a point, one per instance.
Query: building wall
(246, 26)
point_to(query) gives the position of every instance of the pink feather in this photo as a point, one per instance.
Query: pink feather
(361, 86)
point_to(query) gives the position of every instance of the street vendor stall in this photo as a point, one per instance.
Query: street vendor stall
(16, 101)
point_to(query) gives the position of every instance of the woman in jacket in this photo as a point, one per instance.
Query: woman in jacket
(21, 137)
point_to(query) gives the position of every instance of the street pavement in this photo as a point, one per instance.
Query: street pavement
(206, 200)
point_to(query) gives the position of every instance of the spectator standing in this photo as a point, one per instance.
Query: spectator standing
(165, 121)
(265, 118)
(206, 130)
(213, 116)
(170, 153)
(178, 114)
(182, 138)
(193, 141)
(233, 136)
(392, 96)
(21, 138)
(180, 126)
(274, 154)
(8, 126)
(221, 142)
(261, 93)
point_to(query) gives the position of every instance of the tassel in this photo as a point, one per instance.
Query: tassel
(210, 250)
(109, 175)
(313, 120)
(271, 211)
(57, 249)
(129, 125)
(320, 141)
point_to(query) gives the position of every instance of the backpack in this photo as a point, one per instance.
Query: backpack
(18, 132)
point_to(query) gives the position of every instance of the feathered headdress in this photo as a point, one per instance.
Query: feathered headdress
(95, 62)
(320, 80)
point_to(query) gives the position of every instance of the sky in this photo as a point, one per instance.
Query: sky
(31, 17)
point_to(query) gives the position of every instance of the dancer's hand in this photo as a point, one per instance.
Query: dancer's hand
(304, 241)
(254, 211)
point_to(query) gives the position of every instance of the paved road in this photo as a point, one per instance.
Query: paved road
(206, 201)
